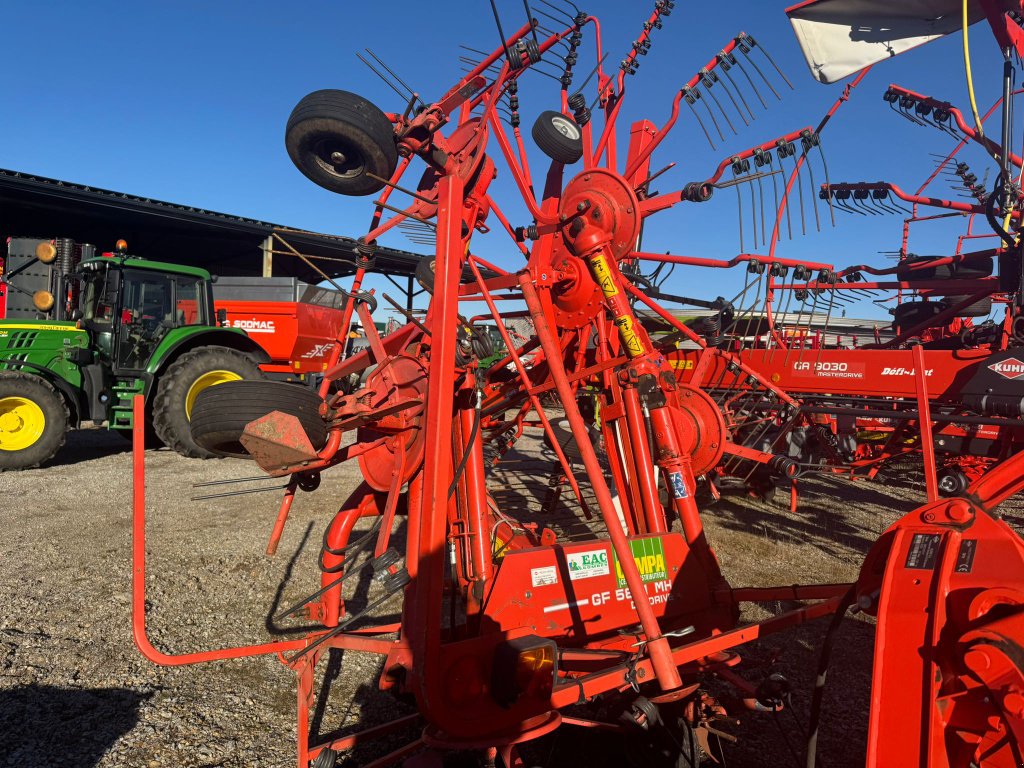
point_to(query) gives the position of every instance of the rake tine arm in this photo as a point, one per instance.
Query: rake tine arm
(990, 146)
(698, 191)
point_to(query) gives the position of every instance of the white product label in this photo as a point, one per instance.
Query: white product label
(542, 577)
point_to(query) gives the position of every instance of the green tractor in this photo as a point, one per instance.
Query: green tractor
(132, 327)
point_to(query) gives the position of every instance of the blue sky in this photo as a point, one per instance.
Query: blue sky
(187, 102)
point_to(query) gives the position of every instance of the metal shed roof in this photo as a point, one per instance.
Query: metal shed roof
(36, 206)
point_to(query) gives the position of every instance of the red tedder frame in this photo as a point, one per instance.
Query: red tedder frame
(503, 626)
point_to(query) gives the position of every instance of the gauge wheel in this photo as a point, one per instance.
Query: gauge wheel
(341, 141)
(182, 383)
(221, 414)
(559, 137)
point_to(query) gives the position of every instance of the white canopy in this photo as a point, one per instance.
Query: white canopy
(840, 37)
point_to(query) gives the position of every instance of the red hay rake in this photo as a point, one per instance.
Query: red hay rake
(503, 627)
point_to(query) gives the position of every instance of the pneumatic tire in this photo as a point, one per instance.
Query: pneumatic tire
(336, 139)
(558, 136)
(221, 413)
(181, 385)
(33, 420)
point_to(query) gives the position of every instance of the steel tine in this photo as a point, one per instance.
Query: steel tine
(549, 16)
(714, 78)
(394, 75)
(753, 213)
(775, 189)
(700, 123)
(739, 209)
(846, 206)
(529, 19)
(865, 204)
(739, 64)
(771, 61)
(556, 9)
(760, 194)
(800, 194)
(729, 81)
(814, 199)
(711, 93)
(757, 69)
(390, 85)
(697, 93)
(785, 202)
(824, 166)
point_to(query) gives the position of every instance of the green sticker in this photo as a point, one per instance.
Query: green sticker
(649, 555)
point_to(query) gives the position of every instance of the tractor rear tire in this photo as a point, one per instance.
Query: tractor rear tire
(180, 386)
(221, 413)
(33, 420)
(337, 139)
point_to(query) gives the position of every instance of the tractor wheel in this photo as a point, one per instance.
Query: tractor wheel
(558, 137)
(221, 415)
(337, 139)
(952, 482)
(180, 386)
(33, 421)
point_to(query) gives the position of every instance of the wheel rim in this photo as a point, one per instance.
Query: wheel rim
(566, 127)
(949, 484)
(207, 380)
(338, 158)
(21, 423)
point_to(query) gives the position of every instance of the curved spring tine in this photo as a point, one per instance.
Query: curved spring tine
(727, 77)
(711, 93)
(828, 197)
(699, 96)
(701, 124)
(753, 87)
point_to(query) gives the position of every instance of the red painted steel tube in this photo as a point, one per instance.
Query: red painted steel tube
(525, 378)
(282, 516)
(743, 258)
(657, 646)
(476, 497)
(643, 463)
(139, 570)
(359, 504)
(601, 682)
(925, 425)
(426, 589)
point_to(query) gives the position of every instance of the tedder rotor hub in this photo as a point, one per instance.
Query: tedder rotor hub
(701, 428)
(399, 435)
(576, 297)
(600, 201)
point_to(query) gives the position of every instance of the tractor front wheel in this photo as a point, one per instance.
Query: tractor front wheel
(181, 384)
(33, 420)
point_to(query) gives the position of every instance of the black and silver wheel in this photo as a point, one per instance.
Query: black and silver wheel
(952, 482)
(559, 137)
(182, 383)
(338, 139)
(222, 413)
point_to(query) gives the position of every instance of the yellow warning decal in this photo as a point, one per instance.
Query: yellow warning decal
(603, 276)
(630, 341)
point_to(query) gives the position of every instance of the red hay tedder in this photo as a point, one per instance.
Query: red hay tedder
(503, 627)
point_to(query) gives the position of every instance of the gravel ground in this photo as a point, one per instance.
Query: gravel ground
(74, 691)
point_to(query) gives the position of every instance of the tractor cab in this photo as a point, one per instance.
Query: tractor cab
(130, 304)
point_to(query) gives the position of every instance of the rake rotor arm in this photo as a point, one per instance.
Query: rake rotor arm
(923, 263)
(676, 104)
(992, 147)
(701, 191)
(934, 202)
(743, 258)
